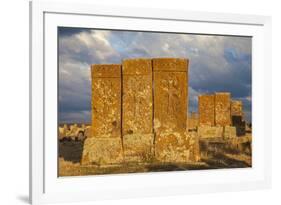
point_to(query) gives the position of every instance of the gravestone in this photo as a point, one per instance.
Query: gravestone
(172, 143)
(170, 94)
(104, 146)
(206, 108)
(236, 108)
(137, 110)
(222, 109)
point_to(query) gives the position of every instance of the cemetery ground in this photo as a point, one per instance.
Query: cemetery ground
(215, 154)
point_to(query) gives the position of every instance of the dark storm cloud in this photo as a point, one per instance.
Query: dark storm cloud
(217, 63)
(68, 31)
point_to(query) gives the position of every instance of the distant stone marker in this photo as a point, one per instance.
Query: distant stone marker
(222, 109)
(236, 108)
(105, 145)
(206, 109)
(137, 110)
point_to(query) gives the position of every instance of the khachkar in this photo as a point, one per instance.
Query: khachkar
(222, 109)
(172, 143)
(137, 110)
(105, 144)
(149, 99)
(206, 108)
(215, 116)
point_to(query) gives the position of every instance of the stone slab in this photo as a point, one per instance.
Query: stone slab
(222, 109)
(236, 108)
(172, 147)
(138, 147)
(137, 66)
(206, 109)
(170, 64)
(170, 101)
(137, 112)
(102, 151)
(205, 132)
(229, 132)
(106, 103)
(106, 71)
(194, 148)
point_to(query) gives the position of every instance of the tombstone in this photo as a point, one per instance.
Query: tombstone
(170, 109)
(236, 108)
(222, 109)
(137, 110)
(206, 108)
(104, 146)
(170, 94)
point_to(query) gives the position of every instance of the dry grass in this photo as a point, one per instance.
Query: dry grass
(213, 156)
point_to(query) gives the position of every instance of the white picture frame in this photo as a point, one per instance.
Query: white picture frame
(46, 187)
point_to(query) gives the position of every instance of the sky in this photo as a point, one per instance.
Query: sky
(216, 63)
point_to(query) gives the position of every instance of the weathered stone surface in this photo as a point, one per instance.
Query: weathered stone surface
(194, 147)
(137, 97)
(106, 71)
(236, 108)
(172, 147)
(170, 64)
(193, 120)
(101, 151)
(138, 147)
(222, 109)
(229, 132)
(106, 100)
(137, 66)
(137, 110)
(206, 108)
(210, 132)
(170, 94)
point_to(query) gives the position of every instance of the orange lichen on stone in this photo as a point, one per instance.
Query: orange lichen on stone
(106, 101)
(222, 109)
(137, 96)
(100, 151)
(105, 144)
(170, 64)
(236, 108)
(138, 147)
(172, 147)
(170, 109)
(170, 94)
(106, 71)
(210, 132)
(206, 108)
(137, 110)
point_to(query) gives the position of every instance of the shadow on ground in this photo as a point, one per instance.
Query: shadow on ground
(71, 150)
